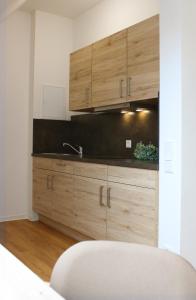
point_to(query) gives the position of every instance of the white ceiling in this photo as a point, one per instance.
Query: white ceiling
(66, 8)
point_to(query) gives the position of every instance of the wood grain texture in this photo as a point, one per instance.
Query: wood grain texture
(53, 164)
(42, 191)
(62, 199)
(70, 232)
(90, 216)
(109, 70)
(42, 163)
(80, 79)
(35, 244)
(132, 176)
(91, 170)
(79, 202)
(63, 166)
(133, 214)
(143, 60)
(122, 67)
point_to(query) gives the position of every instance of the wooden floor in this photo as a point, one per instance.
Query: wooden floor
(35, 244)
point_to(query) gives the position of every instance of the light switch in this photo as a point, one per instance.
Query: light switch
(169, 167)
(128, 144)
(169, 157)
(169, 150)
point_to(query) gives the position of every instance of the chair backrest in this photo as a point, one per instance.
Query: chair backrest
(104, 270)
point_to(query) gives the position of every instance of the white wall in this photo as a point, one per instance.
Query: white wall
(7, 7)
(110, 16)
(17, 117)
(170, 125)
(188, 229)
(2, 115)
(53, 44)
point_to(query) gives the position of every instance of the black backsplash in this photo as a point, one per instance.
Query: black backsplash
(49, 134)
(102, 134)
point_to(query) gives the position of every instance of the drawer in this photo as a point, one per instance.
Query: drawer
(132, 176)
(42, 163)
(91, 170)
(64, 166)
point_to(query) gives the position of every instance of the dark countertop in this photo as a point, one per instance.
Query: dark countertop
(122, 162)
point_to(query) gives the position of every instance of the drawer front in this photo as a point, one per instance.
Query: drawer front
(137, 177)
(64, 166)
(91, 170)
(42, 163)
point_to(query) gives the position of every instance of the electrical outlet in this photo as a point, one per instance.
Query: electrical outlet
(128, 144)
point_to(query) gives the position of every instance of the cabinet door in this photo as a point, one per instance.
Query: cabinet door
(80, 79)
(42, 192)
(143, 60)
(90, 206)
(132, 214)
(109, 70)
(62, 200)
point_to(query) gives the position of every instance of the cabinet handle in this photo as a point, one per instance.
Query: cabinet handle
(129, 86)
(47, 182)
(52, 183)
(101, 195)
(121, 88)
(108, 197)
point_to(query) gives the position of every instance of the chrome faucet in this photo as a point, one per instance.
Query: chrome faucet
(80, 151)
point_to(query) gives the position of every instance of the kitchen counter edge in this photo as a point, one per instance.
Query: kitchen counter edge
(128, 163)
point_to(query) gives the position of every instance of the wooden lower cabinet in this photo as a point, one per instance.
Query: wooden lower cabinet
(62, 199)
(53, 195)
(90, 208)
(121, 208)
(132, 214)
(42, 192)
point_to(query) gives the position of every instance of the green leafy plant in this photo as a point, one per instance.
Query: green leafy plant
(146, 152)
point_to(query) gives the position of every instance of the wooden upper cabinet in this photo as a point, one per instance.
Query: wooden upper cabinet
(80, 79)
(122, 67)
(143, 60)
(109, 70)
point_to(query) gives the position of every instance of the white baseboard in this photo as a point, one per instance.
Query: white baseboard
(13, 218)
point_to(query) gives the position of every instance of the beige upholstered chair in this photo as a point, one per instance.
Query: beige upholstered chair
(103, 270)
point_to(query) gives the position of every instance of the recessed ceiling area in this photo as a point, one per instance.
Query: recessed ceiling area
(66, 8)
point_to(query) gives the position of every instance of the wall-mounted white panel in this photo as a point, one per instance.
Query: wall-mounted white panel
(53, 102)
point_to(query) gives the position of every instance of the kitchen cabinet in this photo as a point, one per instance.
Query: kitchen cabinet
(53, 186)
(131, 214)
(109, 70)
(143, 60)
(121, 68)
(62, 199)
(42, 192)
(90, 210)
(80, 79)
(98, 201)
